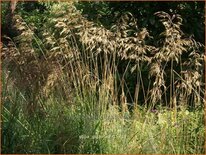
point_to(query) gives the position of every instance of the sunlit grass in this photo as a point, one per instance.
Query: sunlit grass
(84, 128)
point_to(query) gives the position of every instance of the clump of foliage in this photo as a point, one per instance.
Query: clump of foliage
(73, 80)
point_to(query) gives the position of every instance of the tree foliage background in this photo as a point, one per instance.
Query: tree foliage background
(106, 13)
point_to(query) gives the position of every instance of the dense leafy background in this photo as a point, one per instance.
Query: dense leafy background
(191, 12)
(106, 13)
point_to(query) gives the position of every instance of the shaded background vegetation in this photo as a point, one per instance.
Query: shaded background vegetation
(191, 12)
(106, 13)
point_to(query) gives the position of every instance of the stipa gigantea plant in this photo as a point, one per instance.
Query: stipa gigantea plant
(40, 70)
(61, 40)
(87, 66)
(192, 72)
(20, 57)
(28, 69)
(169, 61)
(132, 49)
(86, 52)
(91, 88)
(122, 43)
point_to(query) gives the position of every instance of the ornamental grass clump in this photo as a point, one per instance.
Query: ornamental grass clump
(78, 87)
